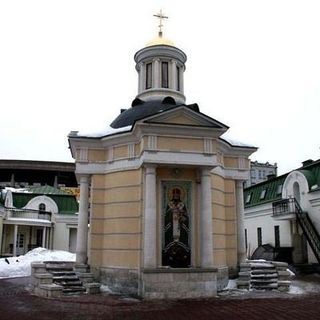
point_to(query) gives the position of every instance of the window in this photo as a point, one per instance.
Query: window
(164, 73)
(42, 207)
(248, 198)
(178, 78)
(276, 236)
(279, 189)
(259, 236)
(148, 75)
(263, 194)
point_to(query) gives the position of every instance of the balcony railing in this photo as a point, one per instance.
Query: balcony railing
(29, 214)
(284, 206)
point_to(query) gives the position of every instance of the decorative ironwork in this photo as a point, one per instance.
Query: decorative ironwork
(176, 250)
(284, 206)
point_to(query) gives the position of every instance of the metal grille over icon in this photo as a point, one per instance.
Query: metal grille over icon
(176, 251)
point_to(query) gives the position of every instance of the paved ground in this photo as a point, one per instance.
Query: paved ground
(17, 303)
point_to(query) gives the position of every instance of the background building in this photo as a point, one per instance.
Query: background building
(37, 217)
(260, 172)
(285, 213)
(24, 173)
(38, 206)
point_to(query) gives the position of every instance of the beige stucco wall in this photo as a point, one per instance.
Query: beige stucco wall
(231, 162)
(116, 222)
(116, 219)
(96, 155)
(224, 222)
(178, 144)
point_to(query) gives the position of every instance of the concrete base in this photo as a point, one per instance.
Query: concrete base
(92, 288)
(222, 278)
(179, 283)
(124, 281)
(48, 290)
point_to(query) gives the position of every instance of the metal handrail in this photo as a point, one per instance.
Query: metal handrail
(309, 229)
(283, 206)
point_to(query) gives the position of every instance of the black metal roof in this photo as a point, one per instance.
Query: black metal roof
(141, 109)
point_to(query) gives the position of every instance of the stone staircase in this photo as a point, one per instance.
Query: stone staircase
(264, 275)
(57, 278)
(64, 275)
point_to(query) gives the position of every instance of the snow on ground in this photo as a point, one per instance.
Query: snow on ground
(105, 289)
(21, 266)
(302, 285)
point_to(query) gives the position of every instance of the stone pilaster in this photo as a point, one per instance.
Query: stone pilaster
(206, 243)
(173, 75)
(150, 219)
(156, 73)
(241, 248)
(82, 233)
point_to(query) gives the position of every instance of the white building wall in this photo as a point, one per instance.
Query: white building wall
(261, 217)
(61, 237)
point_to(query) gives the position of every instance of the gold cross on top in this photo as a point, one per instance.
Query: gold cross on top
(161, 17)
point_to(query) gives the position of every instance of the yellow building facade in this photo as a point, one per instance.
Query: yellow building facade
(164, 190)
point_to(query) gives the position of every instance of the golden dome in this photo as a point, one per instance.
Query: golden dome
(159, 41)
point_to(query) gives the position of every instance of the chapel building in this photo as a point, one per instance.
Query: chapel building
(164, 188)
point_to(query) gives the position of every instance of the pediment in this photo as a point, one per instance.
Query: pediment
(184, 116)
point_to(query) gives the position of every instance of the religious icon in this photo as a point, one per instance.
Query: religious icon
(176, 246)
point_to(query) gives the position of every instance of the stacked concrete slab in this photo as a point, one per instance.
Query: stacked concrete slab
(264, 275)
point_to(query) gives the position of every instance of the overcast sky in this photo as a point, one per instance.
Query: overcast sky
(68, 65)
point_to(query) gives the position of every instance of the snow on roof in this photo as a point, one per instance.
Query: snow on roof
(21, 190)
(102, 132)
(236, 143)
(21, 266)
(29, 220)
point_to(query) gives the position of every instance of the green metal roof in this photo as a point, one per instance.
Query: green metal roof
(310, 171)
(67, 204)
(272, 193)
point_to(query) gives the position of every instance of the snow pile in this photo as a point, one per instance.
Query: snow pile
(21, 266)
(292, 274)
(232, 284)
(296, 290)
(105, 289)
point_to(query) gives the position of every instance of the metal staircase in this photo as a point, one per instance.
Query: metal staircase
(308, 229)
(290, 207)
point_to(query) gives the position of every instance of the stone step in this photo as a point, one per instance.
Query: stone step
(264, 287)
(69, 283)
(264, 281)
(59, 269)
(65, 278)
(74, 290)
(62, 273)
